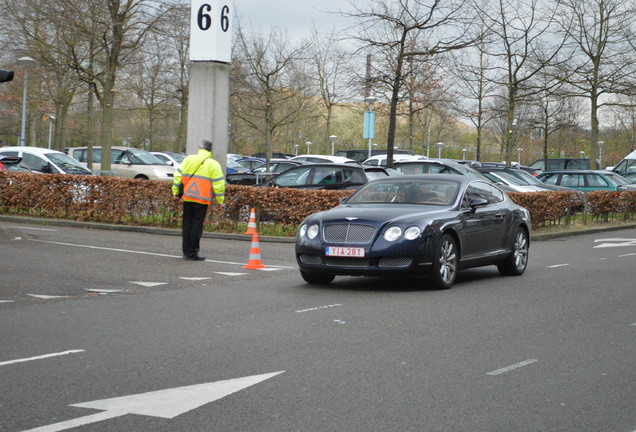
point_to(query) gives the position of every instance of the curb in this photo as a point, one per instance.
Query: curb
(246, 237)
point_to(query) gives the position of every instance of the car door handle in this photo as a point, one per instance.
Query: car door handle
(499, 216)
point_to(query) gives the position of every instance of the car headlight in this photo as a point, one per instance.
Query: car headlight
(302, 231)
(393, 233)
(312, 232)
(412, 233)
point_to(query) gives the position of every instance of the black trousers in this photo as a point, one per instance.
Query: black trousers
(192, 227)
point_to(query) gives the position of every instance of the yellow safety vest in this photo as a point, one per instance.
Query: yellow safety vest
(202, 179)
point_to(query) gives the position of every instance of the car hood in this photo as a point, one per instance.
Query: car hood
(379, 214)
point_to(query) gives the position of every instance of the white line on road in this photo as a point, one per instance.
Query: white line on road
(230, 274)
(626, 255)
(103, 291)
(40, 357)
(558, 265)
(194, 278)
(6, 301)
(149, 284)
(46, 297)
(318, 308)
(149, 253)
(38, 229)
(512, 367)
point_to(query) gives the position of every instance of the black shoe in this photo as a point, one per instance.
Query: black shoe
(194, 258)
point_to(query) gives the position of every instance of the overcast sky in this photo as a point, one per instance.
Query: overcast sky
(296, 16)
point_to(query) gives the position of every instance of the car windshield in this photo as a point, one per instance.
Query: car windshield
(511, 179)
(68, 164)
(408, 191)
(526, 176)
(375, 174)
(142, 157)
(179, 157)
(617, 179)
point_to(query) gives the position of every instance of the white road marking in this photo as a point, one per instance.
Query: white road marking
(512, 367)
(626, 255)
(318, 308)
(276, 267)
(44, 356)
(615, 242)
(105, 291)
(558, 265)
(38, 229)
(166, 404)
(194, 278)
(149, 284)
(633, 324)
(230, 274)
(7, 301)
(46, 297)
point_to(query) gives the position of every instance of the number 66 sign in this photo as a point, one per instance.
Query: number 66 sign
(211, 30)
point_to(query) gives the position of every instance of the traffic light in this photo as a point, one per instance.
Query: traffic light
(6, 76)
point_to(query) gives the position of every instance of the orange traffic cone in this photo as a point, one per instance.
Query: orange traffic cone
(251, 225)
(255, 255)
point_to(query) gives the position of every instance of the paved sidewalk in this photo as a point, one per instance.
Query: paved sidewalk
(6, 232)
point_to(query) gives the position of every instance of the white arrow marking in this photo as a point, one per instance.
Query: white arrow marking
(40, 357)
(194, 278)
(230, 274)
(46, 297)
(167, 403)
(150, 284)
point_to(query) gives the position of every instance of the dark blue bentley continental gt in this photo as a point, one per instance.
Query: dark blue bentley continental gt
(427, 224)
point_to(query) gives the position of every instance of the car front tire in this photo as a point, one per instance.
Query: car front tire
(445, 264)
(317, 278)
(515, 264)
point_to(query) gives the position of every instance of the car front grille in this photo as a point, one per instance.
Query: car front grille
(349, 233)
(347, 262)
(395, 262)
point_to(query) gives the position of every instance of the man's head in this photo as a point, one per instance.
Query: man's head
(207, 145)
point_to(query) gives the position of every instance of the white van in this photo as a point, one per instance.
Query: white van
(380, 160)
(127, 162)
(626, 165)
(46, 161)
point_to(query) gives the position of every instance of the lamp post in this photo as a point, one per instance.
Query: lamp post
(439, 145)
(25, 63)
(296, 149)
(582, 153)
(600, 154)
(333, 140)
(308, 143)
(369, 121)
(519, 150)
(51, 120)
(464, 153)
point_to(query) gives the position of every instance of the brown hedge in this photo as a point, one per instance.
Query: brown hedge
(147, 202)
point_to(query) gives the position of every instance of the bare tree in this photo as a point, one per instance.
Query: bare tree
(395, 31)
(270, 89)
(600, 34)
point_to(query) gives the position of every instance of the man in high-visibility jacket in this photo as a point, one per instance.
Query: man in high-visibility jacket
(203, 183)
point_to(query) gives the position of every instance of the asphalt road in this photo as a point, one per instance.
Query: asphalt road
(112, 331)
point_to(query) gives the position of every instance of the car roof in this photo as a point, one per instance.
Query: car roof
(29, 149)
(335, 159)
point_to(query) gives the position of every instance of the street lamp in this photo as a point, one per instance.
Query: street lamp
(369, 121)
(308, 143)
(582, 153)
(51, 120)
(600, 154)
(464, 153)
(439, 145)
(333, 140)
(296, 149)
(25, 63)
(519, 150)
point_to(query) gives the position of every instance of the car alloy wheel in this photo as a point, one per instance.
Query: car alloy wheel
(445, 263)
(515, 264)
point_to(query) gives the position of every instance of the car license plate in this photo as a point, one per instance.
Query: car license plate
(345, 251)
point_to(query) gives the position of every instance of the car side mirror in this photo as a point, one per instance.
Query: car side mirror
(477, 202)
(344, 200)
(46, 169)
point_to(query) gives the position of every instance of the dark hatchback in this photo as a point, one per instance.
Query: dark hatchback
(259, 174)
(327, 176)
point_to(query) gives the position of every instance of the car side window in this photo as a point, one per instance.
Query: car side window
(482, 190)
(596, 180)
(327, 176)
(33, 162)
(117, 156)
(572, 180)
(293, 177)
(551, 179)
(80, 155)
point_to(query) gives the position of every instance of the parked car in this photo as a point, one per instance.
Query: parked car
(310, 158)
(232, 166)
(415, 225)
(260, 174)
(561, 164)
(380, 160)
(629, 176)
(126, 162)
(45, 160)
(327, 176)
(275, 155)
(170, 158)
(587, 180)
(518, 179)
(361, 155)
(627, 165)
(249, 162)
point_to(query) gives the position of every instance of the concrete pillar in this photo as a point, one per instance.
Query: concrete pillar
(208, 108)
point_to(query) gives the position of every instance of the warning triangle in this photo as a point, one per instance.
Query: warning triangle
(193, 189)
